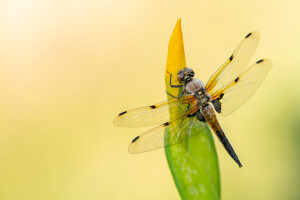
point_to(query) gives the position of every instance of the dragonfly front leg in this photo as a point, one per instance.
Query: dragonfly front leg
(173, 86)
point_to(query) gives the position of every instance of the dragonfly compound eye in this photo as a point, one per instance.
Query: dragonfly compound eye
(185, 75)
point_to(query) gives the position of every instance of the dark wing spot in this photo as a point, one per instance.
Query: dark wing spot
(217, 105)
(259, 61)
(166, 124)
(248, 35)
(231, 57)
(237, 79)
(153, 107)
(135, 139)
(221, 96)
(122, 113)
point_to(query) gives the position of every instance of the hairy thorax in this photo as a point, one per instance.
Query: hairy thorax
(197, 88)
(194, 86)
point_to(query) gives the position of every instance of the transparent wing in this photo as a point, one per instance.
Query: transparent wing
(237, 62)
(150, 115)
(169, 133)
(241, 88)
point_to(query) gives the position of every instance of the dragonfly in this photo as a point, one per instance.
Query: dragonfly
(198, 104)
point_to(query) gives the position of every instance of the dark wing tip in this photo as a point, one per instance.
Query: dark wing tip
(248, 35)
(122, 113)
(261, 60)
(135, 139)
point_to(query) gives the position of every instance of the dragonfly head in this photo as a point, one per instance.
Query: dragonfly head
(185, 75)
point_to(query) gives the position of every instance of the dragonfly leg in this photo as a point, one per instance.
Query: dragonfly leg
(171, 95)
(181, 94)
(174, 86)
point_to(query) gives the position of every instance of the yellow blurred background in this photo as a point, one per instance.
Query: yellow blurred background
(68, 67)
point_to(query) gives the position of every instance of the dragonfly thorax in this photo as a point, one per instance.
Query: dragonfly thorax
(194, 86)
(197, 88)
(203, 97)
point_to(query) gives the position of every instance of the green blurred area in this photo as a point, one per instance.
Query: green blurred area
(68, 67)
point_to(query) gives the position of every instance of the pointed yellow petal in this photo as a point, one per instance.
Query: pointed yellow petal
(175, 62)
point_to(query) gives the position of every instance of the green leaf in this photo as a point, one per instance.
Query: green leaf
(193, 163)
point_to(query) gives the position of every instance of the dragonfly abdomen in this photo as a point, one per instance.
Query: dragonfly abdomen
(211, 119)
(228, 147)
